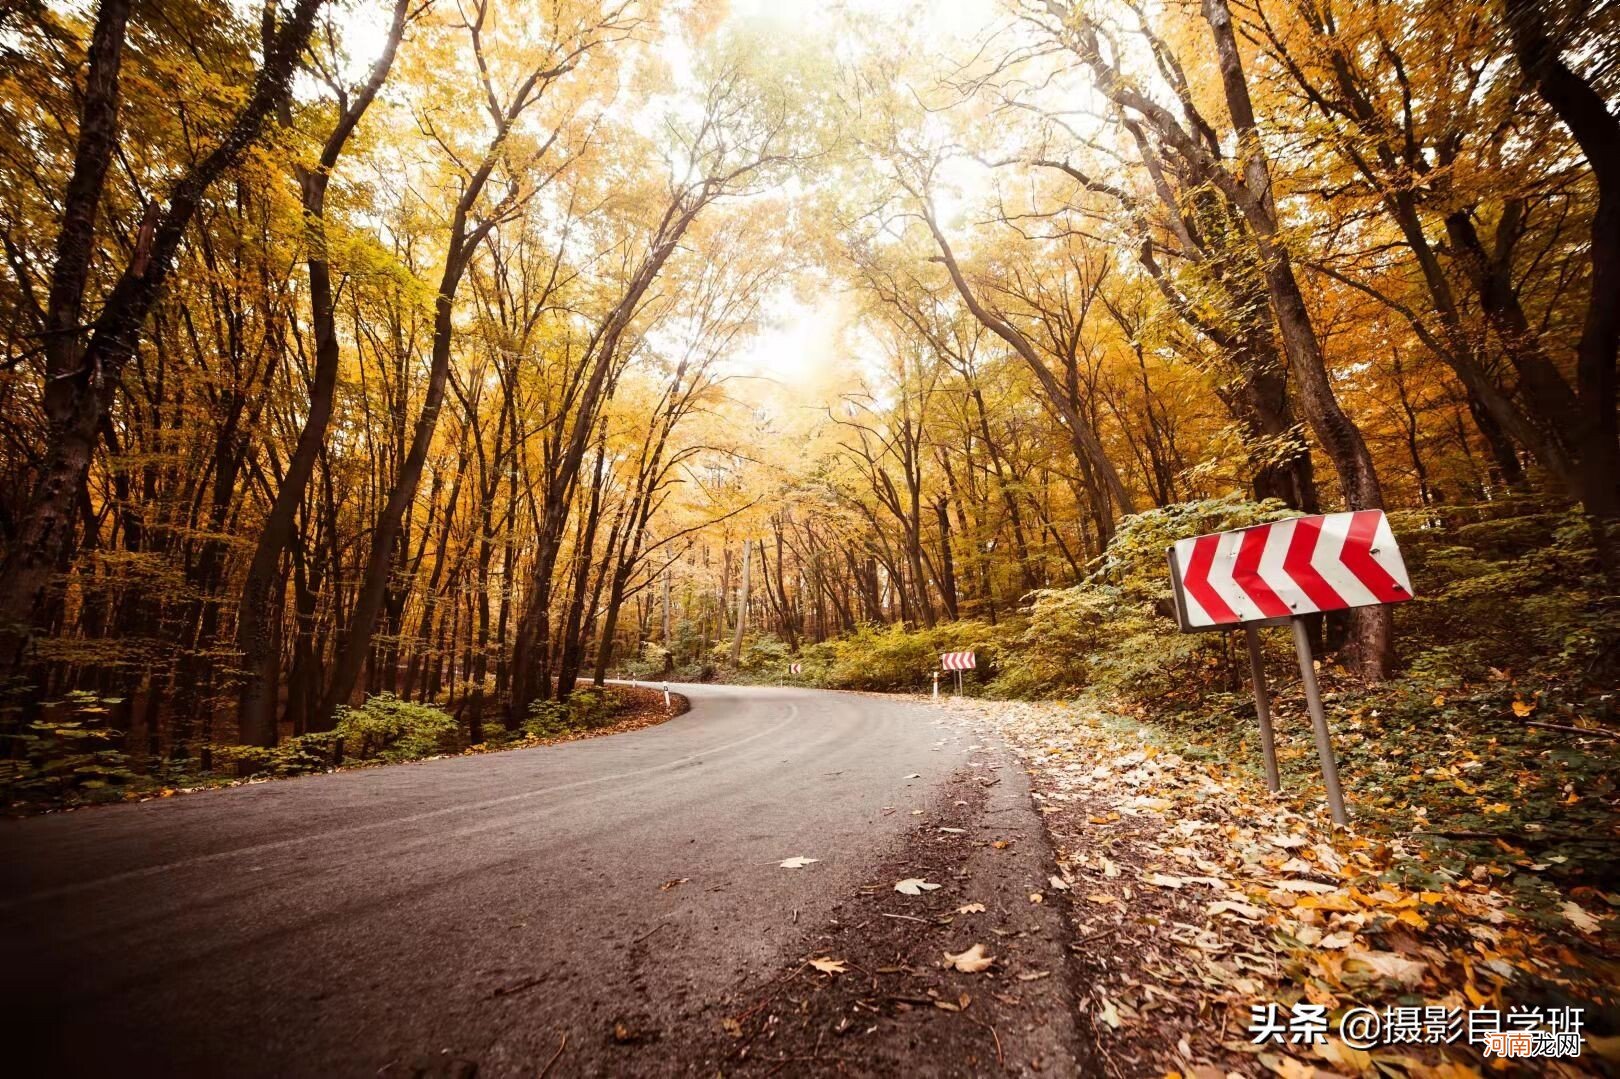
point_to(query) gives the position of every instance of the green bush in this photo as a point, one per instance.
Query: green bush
(894, 658)
(586, 708)
(72, 757)
(653, 661)
(1526, 586)
(387, 728)
(1115, 631)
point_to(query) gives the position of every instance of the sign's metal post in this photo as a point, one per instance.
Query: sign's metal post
(936, 685)
(1262, 707)
(958, 683)
(1313, 697)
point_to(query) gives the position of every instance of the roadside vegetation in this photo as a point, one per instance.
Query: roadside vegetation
(73, 759)
(1482, 865)
(1503, 720)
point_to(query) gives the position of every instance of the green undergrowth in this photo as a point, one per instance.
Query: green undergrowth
(72, 759)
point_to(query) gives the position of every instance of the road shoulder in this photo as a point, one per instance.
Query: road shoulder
(889, 1001)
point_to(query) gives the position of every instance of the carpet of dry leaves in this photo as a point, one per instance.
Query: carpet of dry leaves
(1194, 894)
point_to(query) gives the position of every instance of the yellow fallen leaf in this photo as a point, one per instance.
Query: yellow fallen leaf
(1523, 708)
(1341, 904)
(829, 966)
(1413, 919)
(1351, 1059)
(972, 961)
(971, 908)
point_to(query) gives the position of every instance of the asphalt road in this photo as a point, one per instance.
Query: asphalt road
(469, 911)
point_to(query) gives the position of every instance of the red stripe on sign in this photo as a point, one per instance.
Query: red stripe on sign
(1196, 580)
(1246, 573)
(1357, 558)
(1297, 564)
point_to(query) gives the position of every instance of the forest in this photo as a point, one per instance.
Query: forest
(395, 370)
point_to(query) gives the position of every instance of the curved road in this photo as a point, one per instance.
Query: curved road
(458, 913)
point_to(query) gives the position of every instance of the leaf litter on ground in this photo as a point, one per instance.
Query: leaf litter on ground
(1196, 894)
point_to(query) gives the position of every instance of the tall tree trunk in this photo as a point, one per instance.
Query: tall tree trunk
(259, 609)
(1585, 111)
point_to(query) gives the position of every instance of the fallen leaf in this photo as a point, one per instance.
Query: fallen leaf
(1397, 968)
(1059, 883)
(914, 775)
(1523, 708)
(971, 908)
(676, 883)
(797, 862)
(1241, 910)
(1164, 880)
(914, 886)
(1353, 1060)
(829, 966)
(1578, 917)
(1036, 898)
(972, 961)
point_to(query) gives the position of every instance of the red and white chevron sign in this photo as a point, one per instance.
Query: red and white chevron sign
(795, 668)
(1287, 568)
(956, 661)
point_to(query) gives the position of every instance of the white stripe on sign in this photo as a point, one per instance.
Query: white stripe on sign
(957, 661)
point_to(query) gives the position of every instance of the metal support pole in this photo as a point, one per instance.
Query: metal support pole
(1313, 697)
(936, 685)
(958, 683)
(1262, 707)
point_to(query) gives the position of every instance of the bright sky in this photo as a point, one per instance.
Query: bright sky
(803, 334)
(803, 327)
